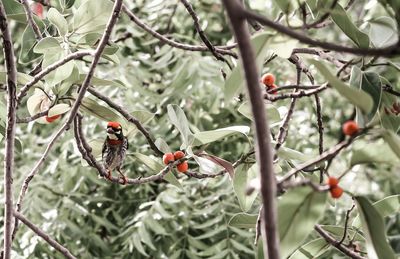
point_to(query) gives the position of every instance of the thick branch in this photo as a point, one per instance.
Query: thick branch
(263, 151)
(336, 243)
(127, 116)
(64, 251)
(172, 43)
(49, 69)
(10, 129)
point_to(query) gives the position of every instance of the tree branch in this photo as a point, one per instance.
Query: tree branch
(263, 151)
(128, 117)
(298, 94)
(10, 129)
(336, 244)
(31, 21)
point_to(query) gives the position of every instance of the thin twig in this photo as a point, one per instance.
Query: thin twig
(48, 70)
(128, 117)
(11, 76)
(336, 244)
(320, 133)
(33, 117)
(346, 223)
(389, 89)
(289, 87)
(53, 243)
(263, 151)
(173, 43)
(31, 21)
(258, 225)
(298, 94)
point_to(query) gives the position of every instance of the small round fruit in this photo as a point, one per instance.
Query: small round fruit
(268, 79)
(350, 128)
(168, 158)
(333, 182)
(178, 155)
(269, 88)
(336, 192)
(52, 118)
(182, 167)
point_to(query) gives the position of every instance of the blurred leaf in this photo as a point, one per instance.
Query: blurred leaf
(162, 145)
(382, 32)
(373, 227)
(375, 152)
(243, 220)
(313, 249)
(21, 79)
(387, 114)
(94, 108)
(47, 45)
(286, 6)
(271, 111)
(58, 20)
(57, 109)
(243, 176)
(393, 140)
(338, 232)
(356, 97)
(206, 137)
(92, 16)
(100, 82)
(340, 17)
(386, 207)
(178, 118)
(219, 161)
(299, 210)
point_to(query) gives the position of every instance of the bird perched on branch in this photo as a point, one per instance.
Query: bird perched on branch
(114, 149)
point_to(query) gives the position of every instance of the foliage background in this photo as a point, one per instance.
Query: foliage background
(96, 219)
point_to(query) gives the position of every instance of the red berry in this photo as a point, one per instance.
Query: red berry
(271, 88)
(268, 79)
(182, 167)
(52, 118)
(350, 128)
(336, 192)
(178, 155)
(168, 158)
(333, 182)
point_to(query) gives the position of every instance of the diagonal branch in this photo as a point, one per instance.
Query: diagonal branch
(53, 243)
(128, 117)
(263, 151)
(31, 21)
(10, 129)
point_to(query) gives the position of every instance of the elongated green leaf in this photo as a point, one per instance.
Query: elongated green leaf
(56, 18)
(102, 112)
(235, 81)
(92, 16)
(206, 137)
(393, 140)
(382, 32)
(387, 113)
(299, 210)
(271, 111)
(286, 5)
(243, 220)
(357, 97)
(312, 249)
(386, 207)
(57, 109)
(178, 118)
(21, 79)
(243, 176)
(373, 228)
(338, 232)
(375, 152)
(340, 17)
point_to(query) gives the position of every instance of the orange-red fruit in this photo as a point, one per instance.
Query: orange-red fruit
(336, 192)
(182, 167)
(271, 88)
(52, 118)
(333, 182)
(178, 155)
(350, 128)
(168, 158)
(268, 79)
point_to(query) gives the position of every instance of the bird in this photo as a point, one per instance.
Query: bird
(114, 150)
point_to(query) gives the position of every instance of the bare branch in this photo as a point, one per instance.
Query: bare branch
(172, 43)
(346, 221)
(33, 117)
(49, 69)
(31, 21)
(263, 151)
(10, 129)
(321, 133)
(336, 244)
(127, 116)
(298, 94)
(53, 243)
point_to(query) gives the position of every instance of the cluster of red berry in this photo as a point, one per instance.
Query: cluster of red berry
(334, 188)
(171, 157)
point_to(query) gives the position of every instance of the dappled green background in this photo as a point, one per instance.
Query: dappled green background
(97, 219)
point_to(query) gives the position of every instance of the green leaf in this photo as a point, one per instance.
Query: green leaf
(338, 232)
(21, 79)
(382, 32)
(271, 111)
(102, 112)
(178, 118)
(287, 6)
(393, 140)
(170, 177)
(92, 16)
(373, 228)
(372, 152)
(100, 82)
(357, 97)
(57, 109)
(299, 210)
(243, 176)
(138, 244)
(313, 249)
(27, 55)
(235, 81)
(206, 137)
(56, 18)
(386, 207)
(388, 118)
(47, 45)
(243, 220)
(340, 17)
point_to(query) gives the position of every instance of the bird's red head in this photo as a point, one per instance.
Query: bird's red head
(114, 124)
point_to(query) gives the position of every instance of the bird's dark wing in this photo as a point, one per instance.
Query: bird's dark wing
(103, 151)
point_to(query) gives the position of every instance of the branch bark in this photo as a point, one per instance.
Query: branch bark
(31, 21)
(10, 129)
(45, 236)
(263, 151)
